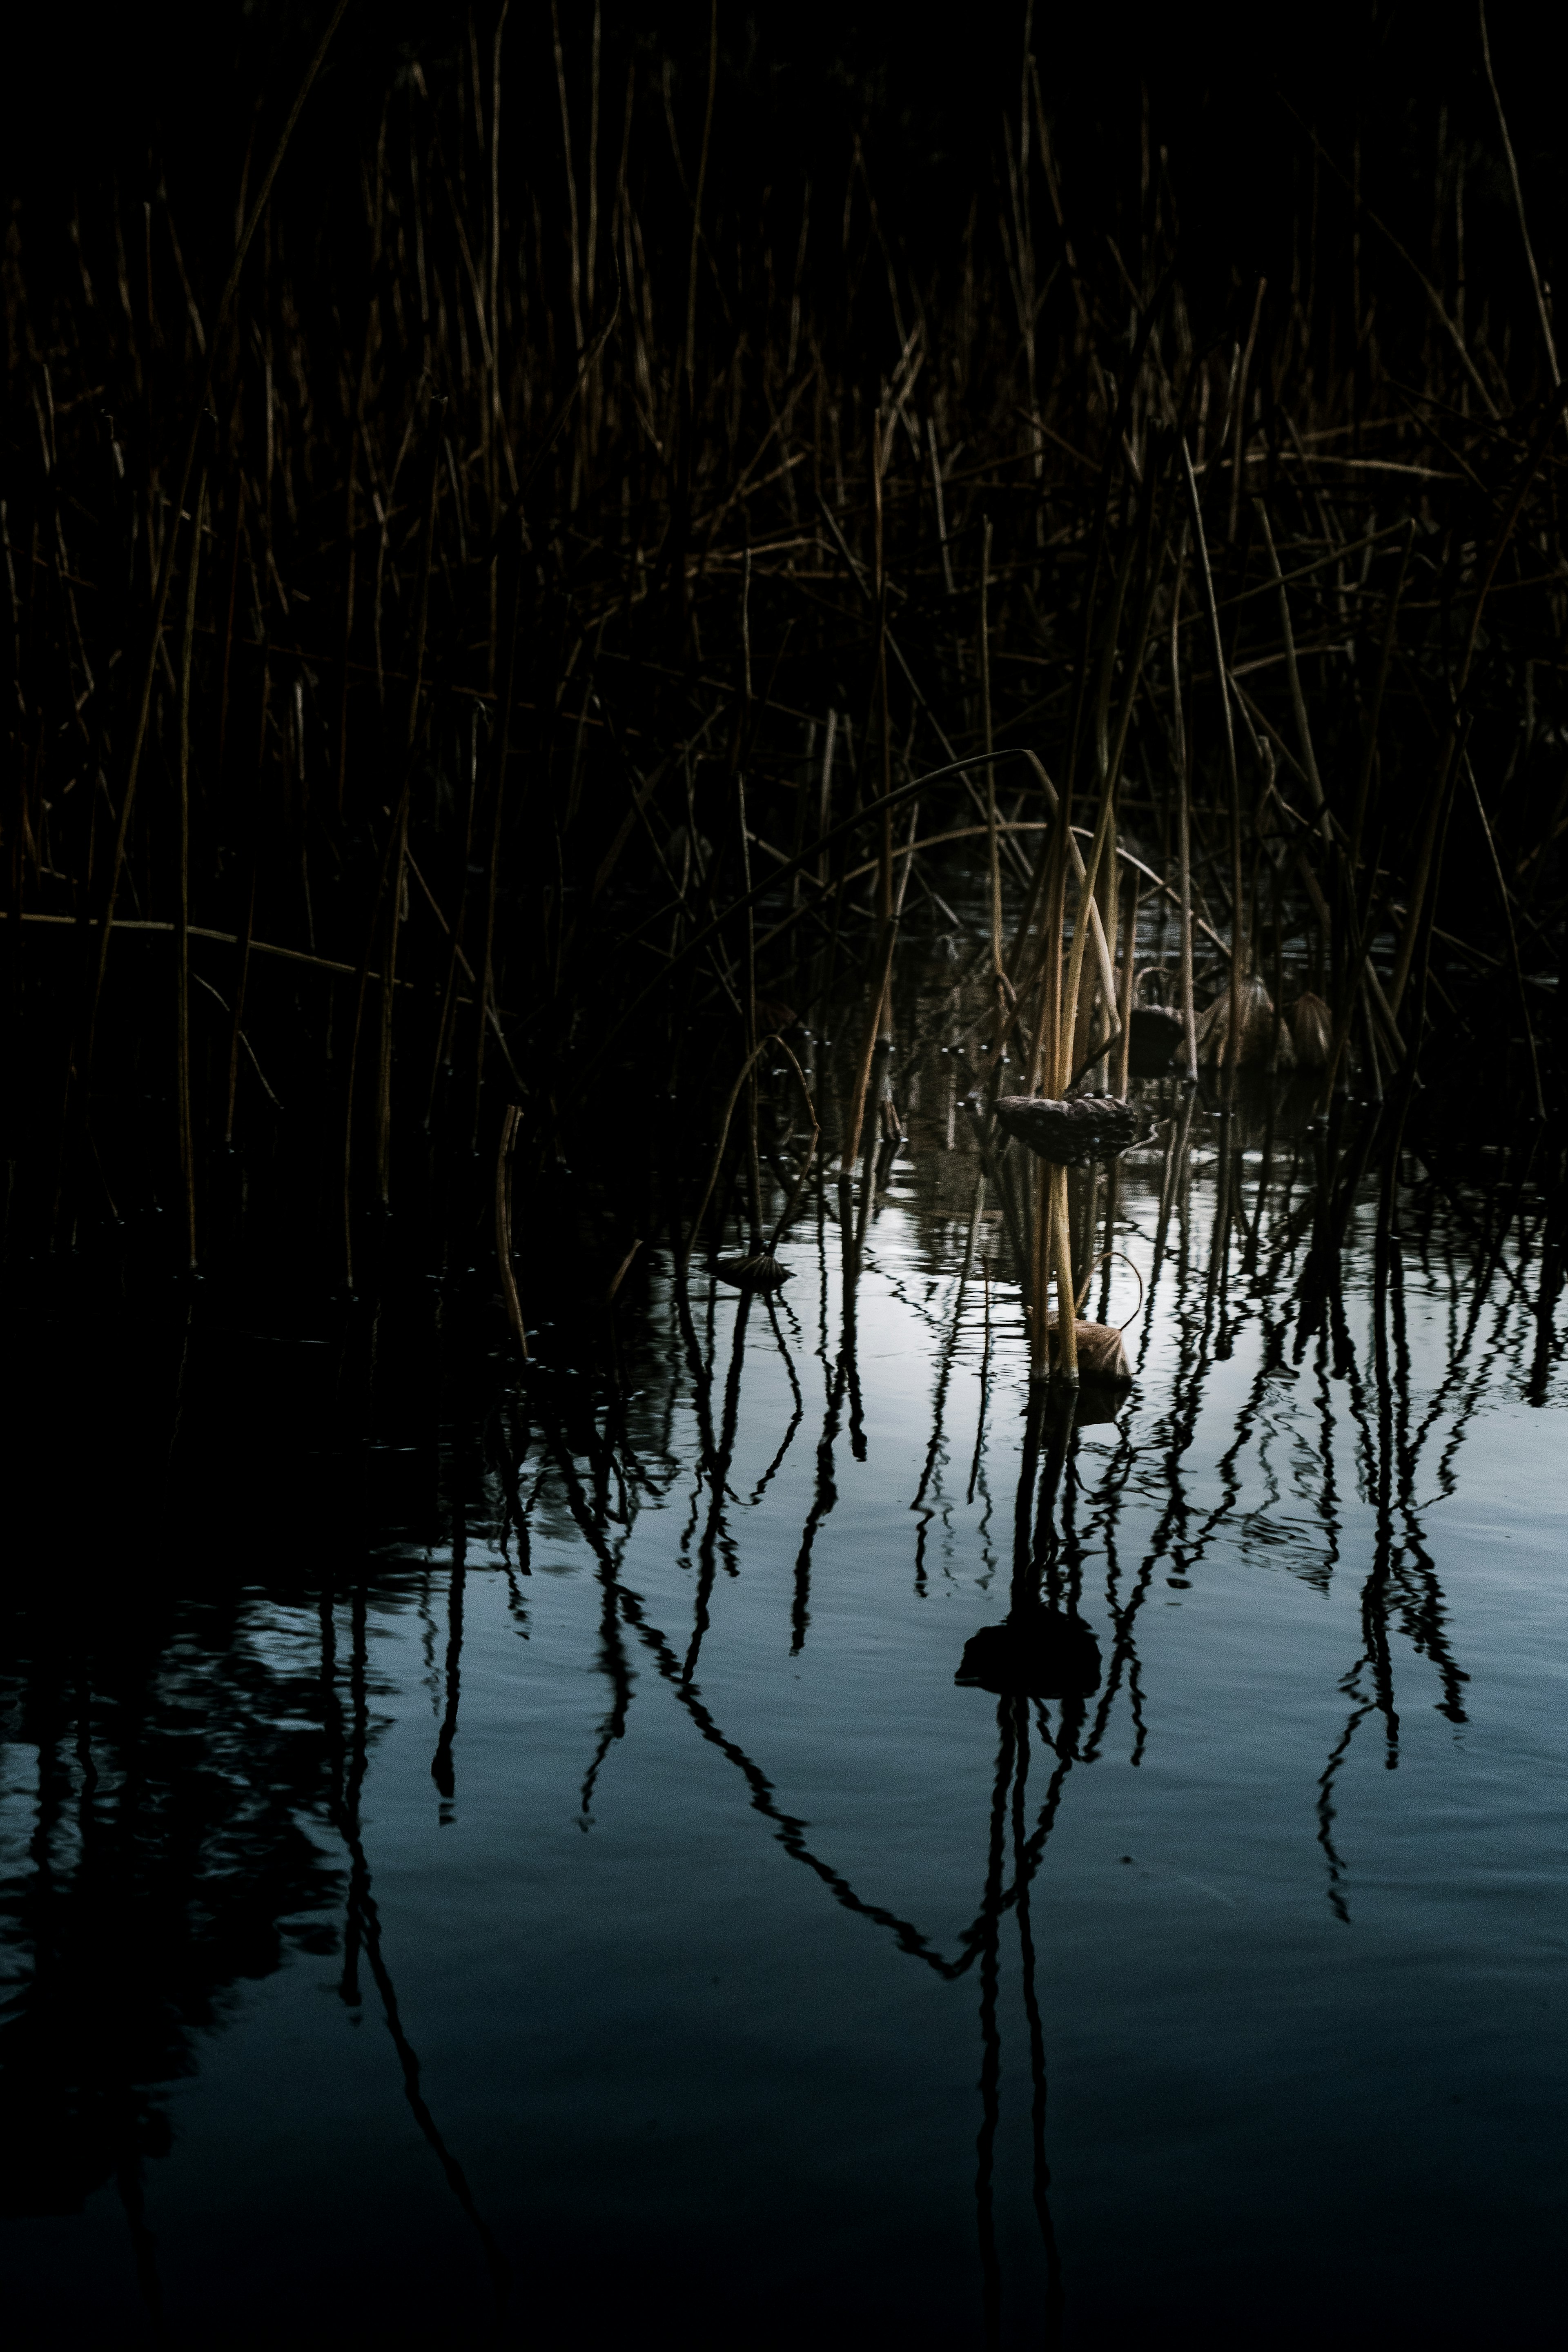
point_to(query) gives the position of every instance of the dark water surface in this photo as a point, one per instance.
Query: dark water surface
(639, 1933)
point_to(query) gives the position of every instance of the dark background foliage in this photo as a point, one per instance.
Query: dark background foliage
(172, 96)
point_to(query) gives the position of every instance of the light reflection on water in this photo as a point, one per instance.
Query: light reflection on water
(642, 1919)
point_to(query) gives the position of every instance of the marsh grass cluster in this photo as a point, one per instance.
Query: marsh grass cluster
(523, 631)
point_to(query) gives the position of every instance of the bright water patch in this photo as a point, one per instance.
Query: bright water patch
(653, 1938)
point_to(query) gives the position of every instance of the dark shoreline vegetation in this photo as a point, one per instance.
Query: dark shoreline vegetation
(611, 637)
(576, 642)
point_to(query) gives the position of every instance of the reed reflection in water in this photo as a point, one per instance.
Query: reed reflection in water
(845, 1832)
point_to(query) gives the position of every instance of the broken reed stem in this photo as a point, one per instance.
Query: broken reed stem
(504, 1150)
(1233, 780)
(1067, 1290)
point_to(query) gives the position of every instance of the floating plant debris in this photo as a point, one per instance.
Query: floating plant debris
(1038, 1651)
(1071, 1134)
(761, 1272)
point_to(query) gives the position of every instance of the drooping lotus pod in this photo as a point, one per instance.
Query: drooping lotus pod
(1075, 1133)
(1259, 1032)
(1101, 1356)
(1312, 1027)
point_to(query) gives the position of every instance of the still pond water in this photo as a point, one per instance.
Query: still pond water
(639, 1933)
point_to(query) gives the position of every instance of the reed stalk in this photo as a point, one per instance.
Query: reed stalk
(510, 1122)
(1238, 948)
(182, 933)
